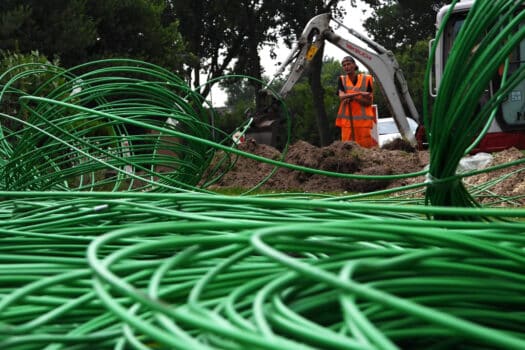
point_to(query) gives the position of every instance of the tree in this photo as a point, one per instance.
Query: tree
(137, 29)
(396, 24)
(79, 30)
(59, 27)
(296, 15)
(225, 36)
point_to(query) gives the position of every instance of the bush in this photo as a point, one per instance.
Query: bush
(25, 74)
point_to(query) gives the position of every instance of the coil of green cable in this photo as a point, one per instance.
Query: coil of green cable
(209, 271)
(491, 31)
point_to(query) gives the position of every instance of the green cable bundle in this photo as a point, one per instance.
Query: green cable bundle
(107, 125)
(490, 32)
(110, 241)
(198, 271)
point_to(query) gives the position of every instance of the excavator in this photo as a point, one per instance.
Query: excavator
(507, 129)
(377, 59)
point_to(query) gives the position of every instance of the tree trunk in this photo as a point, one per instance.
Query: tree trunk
(318, 98)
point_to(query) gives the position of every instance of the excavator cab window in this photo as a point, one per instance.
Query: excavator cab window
(511, 114)
(513, 108)
(268, 126)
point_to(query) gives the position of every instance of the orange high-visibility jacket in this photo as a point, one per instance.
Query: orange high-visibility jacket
(352, 113)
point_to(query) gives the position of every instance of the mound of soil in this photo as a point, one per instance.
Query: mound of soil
(348, 157)
(487, 189)
(340, 157)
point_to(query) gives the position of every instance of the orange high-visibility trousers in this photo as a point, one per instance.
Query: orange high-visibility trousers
(362, 136)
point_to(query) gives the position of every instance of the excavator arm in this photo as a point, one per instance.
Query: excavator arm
(379, 61)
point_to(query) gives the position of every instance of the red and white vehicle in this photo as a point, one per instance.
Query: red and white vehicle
(508, 128)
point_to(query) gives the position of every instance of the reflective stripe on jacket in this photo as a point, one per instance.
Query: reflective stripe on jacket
(352, 112)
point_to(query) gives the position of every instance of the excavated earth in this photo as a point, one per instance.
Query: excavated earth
(348, 157)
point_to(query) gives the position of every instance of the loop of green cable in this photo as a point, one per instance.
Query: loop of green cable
(105, 127)
(203, 271)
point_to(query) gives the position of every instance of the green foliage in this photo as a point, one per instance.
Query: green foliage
(59, 27)
(232, 118)
(79, 30)
(240, 101)
(413, 61)
(400, 24)
(300, 105)
(12, 68)
(136, 29)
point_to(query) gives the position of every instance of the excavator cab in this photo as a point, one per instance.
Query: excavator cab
(507, 129)
(268, 122)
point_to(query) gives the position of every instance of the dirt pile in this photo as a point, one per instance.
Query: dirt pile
(339, 157)
(348, 157)
(487, 189)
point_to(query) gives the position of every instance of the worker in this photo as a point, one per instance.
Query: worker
(356, 116)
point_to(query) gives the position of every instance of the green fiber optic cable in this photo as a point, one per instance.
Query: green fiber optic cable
(212, 268)
(111, 239)
(490, 32)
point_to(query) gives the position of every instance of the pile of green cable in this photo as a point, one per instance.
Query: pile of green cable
(108, 125)
(109, 241)
(198, 271)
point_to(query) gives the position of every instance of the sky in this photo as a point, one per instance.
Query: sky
(354, 19)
